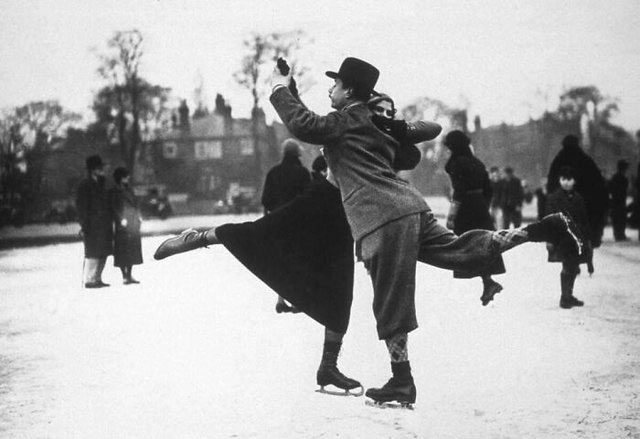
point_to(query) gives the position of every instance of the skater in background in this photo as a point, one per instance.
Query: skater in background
(618, 186)
(565, 199)
(470, 203)
(96, 228)
(304, 249)
(511, 199)
(283, 183)
(590, 184)
(127, 247)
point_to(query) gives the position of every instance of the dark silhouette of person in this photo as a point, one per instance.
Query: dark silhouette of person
(127, 245)
(511, 199)
(590, 184)
(284, 182)
(472, 193)
(618, 186)
(94, 216)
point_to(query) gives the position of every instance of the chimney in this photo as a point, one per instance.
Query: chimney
(183, 111)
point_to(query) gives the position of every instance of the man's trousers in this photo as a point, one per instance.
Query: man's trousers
(390, 254)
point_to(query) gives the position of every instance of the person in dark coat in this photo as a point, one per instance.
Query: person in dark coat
(511, 199)
(590, 184)
(470, 203)
(127, 249)
(283, 183)
(286, 180)
(94, 216)
(567, 200)
(618, 186)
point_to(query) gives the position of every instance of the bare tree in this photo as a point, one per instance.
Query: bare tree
(261, 52)
(120, 66)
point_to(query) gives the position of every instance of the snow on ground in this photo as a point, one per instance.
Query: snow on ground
(197, 351)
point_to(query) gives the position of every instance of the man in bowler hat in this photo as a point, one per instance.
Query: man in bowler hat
(94, 216)
(391, 223)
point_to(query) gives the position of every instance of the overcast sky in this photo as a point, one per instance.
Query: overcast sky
(499, 58)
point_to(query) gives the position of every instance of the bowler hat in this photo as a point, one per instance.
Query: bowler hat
(357, 73)
(94, 162)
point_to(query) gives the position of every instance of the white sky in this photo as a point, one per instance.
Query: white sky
(492, 54)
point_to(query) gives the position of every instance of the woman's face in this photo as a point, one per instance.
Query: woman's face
(384, 109)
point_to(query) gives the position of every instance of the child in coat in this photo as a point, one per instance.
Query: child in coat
(566, 200)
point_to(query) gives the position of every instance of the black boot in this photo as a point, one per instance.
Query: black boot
(490, 289)
(329, 374)
(567, 300)
(400, 388)
(189, 239)
(555, 228)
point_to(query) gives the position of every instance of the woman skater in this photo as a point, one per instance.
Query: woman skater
(470, 204)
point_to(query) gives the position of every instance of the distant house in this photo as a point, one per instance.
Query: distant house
(215, 157)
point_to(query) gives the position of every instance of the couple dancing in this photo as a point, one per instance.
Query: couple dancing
(304, 250)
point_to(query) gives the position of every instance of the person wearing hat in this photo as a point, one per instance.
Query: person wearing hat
(283, 183)
(94, 216)
(390, 221)
(618, 186)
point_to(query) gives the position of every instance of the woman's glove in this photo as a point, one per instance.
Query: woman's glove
(454, 207)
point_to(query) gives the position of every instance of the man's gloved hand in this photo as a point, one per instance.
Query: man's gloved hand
(278, 78)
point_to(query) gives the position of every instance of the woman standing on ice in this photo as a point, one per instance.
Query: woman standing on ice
(470, 203)
(127, 250)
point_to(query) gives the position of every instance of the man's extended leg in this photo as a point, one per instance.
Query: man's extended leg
(474, 250)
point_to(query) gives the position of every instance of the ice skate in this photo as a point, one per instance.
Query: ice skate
(396, 393)
(343, 385)
(489, 291)
(189, 239)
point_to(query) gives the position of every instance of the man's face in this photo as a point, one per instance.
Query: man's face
(384, 109)
(567, 183)
(338, 94)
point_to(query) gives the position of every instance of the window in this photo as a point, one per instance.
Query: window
(169, 150)
(246, 146)
(208, 149)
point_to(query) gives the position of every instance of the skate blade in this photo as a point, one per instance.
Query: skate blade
(389, 405)
(358, 391)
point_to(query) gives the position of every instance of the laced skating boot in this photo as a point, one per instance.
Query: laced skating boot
(329, 375)
(400, 390)
(189, 239)
(491, 288)
(553, 228)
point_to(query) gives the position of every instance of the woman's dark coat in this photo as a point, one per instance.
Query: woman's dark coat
(303, 251)
(94, 216)
(472, 190)
(127, 249)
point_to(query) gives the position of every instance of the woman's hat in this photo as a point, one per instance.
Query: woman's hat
(357, 73)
